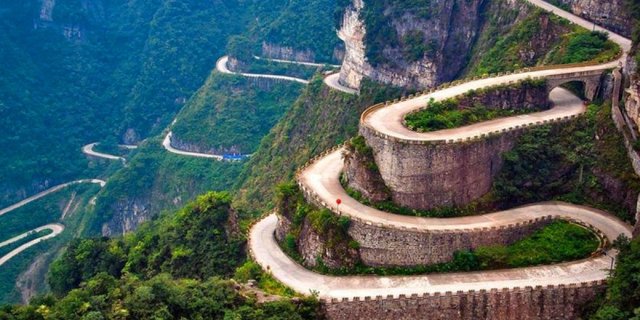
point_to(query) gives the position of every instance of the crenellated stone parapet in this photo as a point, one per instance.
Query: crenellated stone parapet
(518, 303)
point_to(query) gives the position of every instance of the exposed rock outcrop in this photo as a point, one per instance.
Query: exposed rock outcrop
(362, 175)
(193, 147)
(611, 14)
(274, 51)
(128, 214)
(423, 48)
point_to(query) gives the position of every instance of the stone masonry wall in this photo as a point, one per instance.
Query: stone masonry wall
(426, 176)
(387, 245)
(540, 303)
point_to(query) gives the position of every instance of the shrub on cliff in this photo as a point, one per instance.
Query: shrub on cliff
(198, 242)
(622, 301)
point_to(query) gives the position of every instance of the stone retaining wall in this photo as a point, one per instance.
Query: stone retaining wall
(390, 245)
(427, 176)
(552, 302)
(383, 246)
(431, 174)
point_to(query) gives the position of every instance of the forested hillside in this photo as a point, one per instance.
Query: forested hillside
(170, 269)
(86, 71)
(75, 72)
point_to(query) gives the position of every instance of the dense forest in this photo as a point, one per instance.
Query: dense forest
(120, 72)
(172, 268)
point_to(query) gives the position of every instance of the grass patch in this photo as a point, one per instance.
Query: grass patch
(445, 114)
(582, 45)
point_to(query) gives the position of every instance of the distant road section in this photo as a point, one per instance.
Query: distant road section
(56, 229)
(88, 150)
(166, 143)
(49, 191)
(302, 63)
(333, 81)
(221, 66)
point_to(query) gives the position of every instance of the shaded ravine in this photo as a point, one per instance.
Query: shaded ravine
(320, 181)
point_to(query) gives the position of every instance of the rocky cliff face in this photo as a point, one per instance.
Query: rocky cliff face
(128, 215)
(393, 43)
(70, 21)
(611, 14)
(274, 51)
(362, 175)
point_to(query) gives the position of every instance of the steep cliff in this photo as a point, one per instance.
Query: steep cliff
(231, 114)
(319, 119)
(421, 43)
(417, 44)
(156, 181)
(611, 14)
(315, 237)
(428, 176)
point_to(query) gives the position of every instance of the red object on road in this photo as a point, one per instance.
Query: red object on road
(338, 201)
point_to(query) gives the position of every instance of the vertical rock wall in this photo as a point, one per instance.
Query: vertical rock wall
(448, 35)
(611, 14)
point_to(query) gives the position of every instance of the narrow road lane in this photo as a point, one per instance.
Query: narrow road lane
(49, 191)
(54, 227)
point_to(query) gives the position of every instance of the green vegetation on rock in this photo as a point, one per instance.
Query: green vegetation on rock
(524, 45)
(567, 163)
(169, 269)
(581, 46)
(622, 300)
(197, 242)
(445, 114)
(299, 24)
(378, 19)
(158, 181)
(232, 113)
(318, 120)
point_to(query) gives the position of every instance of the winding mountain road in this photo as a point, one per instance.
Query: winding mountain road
(268, 254)
(333, 81)
(321, 178)
(221, 66)
(88, 150)
(166, 143)
(56, 229)
(49, 191)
